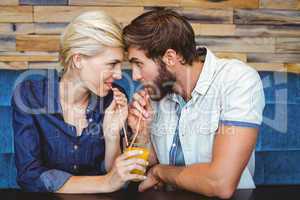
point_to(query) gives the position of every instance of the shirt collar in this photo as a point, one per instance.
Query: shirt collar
(205, 78)
(207, 74)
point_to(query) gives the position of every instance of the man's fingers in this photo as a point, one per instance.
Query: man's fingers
(147, 184)
(140, 108)
(139, 98)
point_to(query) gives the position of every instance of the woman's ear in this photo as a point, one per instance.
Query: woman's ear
(77, 61)
(170, 57)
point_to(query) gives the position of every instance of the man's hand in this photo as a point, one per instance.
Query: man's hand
(151, 181)
(140, 110)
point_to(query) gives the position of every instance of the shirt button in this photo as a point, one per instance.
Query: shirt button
(90, 120)
(75, 147)
(173, 145)
(75, 167)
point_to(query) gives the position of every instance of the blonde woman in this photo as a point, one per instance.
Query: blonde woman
(73, 146)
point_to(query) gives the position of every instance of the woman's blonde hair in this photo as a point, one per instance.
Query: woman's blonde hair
(88, 34)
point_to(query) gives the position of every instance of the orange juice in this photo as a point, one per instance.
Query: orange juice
(144, 156)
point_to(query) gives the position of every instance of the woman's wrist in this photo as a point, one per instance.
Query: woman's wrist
(111, 136)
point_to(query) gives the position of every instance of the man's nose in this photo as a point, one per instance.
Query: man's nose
(136, 74)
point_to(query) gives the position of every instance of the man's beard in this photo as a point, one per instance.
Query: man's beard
(163, 84)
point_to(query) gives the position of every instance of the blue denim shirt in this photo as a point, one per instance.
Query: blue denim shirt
(48, 150)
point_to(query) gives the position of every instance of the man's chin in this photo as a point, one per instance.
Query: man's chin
(154, 94)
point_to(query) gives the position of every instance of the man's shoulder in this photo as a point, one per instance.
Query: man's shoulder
(233, 71)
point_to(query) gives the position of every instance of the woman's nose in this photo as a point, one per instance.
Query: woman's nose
(117, 73)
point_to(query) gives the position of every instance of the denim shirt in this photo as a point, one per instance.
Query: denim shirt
(48, 150)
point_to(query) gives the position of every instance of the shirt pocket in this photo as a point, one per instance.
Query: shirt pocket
(160, 136)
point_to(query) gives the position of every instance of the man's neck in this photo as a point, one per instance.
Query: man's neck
(186, 79)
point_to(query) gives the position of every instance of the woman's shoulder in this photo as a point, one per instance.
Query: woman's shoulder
(35, 93)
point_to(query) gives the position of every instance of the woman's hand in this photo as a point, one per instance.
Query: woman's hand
(123, 165)
(115, 116)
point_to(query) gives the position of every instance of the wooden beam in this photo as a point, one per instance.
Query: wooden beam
(9, 2)
(161, 3)
(214, 29)
(288, 45)
(280, 4)
(221, 3)
(13, 65)
(232, 55)
(207, 16)
(49, 28)
(28, 58)
(277, 67)
(268, 30)
(61, 14)
(124, 3)
(12, 28)
(293, 67)
(44, 65)
(238, 44)
(7, 43)
(273, 57)
(19, 14)
(37, 42)
(43, 2)
(266, 16)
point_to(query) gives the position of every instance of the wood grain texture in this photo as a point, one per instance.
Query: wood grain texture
(13, 65)
(43, 2)
(220, 3)
(49, 28)
(279, 67)
(237, 44)
(207, 16)
(105, 3)
(61, 14)
(44, 65)
(25, 58)
(7, 43)
(293, 67)
(214, 29)
(16, 14)
(165, 3)
(273, 58)
(268, 30)
(37, 43)
(9, 2)
(288, 45)
(232, 55)
(279, 4)
(12, 28)
(266, 16)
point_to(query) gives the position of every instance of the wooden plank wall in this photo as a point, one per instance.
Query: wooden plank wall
(263, 33)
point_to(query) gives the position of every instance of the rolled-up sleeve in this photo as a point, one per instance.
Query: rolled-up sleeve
(32, 175)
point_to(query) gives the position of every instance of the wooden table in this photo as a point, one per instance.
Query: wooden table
(260, 193)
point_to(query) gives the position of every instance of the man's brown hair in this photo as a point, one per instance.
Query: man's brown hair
(156, 31)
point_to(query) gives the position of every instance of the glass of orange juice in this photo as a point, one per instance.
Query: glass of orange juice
(144, 147)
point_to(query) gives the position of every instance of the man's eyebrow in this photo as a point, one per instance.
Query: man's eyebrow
(133, 60)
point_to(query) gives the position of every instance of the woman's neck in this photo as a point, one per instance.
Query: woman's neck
(72, 91)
